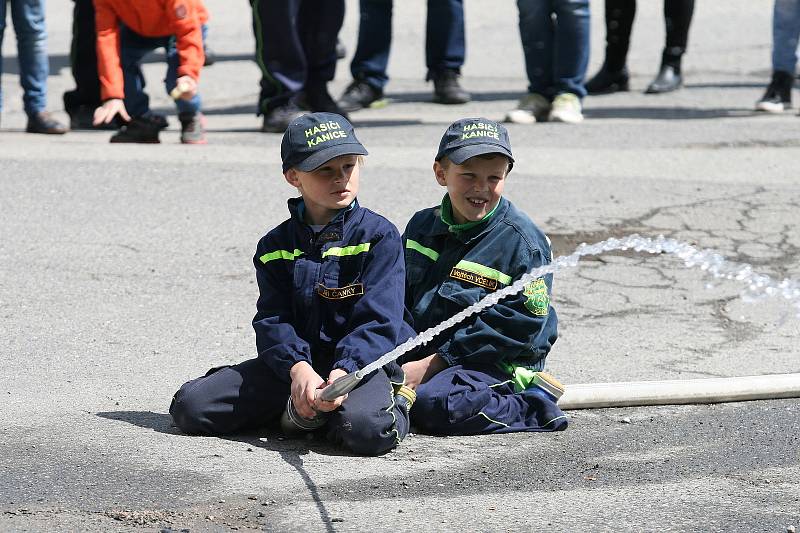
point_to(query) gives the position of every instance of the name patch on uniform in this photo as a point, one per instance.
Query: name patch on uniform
(340, 293)
(537, 301)
(475, 279)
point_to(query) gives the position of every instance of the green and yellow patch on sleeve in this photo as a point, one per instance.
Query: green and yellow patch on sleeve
(537, 299)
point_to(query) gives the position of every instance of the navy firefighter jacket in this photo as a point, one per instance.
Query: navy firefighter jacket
(336, 295)
(450, 267)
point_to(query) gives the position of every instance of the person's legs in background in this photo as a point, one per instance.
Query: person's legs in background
(318, 24)
(371, 59)
(785, 32)
(280, 56)
(445, 49)
(571, 57)
(34, 65)
(613, 75)
(537, 32)
(144, 125)
(677, 19)
(193, 123)
(81, 102)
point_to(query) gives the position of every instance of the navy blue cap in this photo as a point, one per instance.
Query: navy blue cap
(469, 137)
(313, 139)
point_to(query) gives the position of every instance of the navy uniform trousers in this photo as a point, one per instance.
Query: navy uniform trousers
(295, 46)
(249, 396)
(470, 400)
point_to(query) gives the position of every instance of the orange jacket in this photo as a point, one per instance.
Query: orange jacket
(149, 18)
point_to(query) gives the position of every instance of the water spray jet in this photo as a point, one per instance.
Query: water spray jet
(631, 393)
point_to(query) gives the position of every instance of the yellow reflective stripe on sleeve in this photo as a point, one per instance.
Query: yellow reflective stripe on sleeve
(347, 250)
(427, 252)
(484, 271)
(280, 254)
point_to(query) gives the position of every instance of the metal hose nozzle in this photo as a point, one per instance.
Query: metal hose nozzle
(341, 386)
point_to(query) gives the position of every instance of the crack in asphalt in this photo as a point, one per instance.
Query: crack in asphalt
(748, 210)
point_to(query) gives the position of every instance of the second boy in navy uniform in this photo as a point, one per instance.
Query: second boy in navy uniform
(331, 301)
(478, 376)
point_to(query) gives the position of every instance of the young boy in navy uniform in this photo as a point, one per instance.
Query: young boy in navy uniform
(479, 376)
(331, 281)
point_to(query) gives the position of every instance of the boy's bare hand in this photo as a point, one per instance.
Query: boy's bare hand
(110, 108)
(305, 382)
(185, 88)
(327, 406)
(418, 372)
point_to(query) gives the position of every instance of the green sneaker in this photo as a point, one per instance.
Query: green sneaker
(566, 108)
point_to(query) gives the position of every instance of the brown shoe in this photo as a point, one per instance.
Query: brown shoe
(43, 122)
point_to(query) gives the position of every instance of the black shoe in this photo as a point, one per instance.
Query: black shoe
(778, 96)
(447, 90)
(142, 130)
(156, 119)
(317, 98)
(278, 119)
(43, 122)
(341, 51)
(608, 81)
(359, 95)
(669, 79)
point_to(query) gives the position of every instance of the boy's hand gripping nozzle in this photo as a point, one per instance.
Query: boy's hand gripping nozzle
(292, 422)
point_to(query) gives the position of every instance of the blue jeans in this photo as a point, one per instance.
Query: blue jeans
(785, 33)
(555, 39)
(34, 66)
(133, 48)
(444, 41)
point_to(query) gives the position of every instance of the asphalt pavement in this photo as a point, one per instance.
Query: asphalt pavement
(126, 270)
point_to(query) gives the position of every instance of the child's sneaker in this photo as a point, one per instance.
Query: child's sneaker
(404, 396)
(532, 108)
(138, 130)
(566, 108)
(778, 96)
(193, 128)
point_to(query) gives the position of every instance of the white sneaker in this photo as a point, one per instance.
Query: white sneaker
(532, 108)
(566, 108)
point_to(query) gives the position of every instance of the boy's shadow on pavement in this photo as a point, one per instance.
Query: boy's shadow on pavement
(268, 438)
(290, 450)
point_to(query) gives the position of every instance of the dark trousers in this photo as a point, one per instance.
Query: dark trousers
(249, 396)
(619, 23)
(83, 59)
(481, 399)
(133, 48)
(295, 46)
(444, 39)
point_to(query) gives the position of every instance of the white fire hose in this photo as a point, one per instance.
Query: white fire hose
(710, 390)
